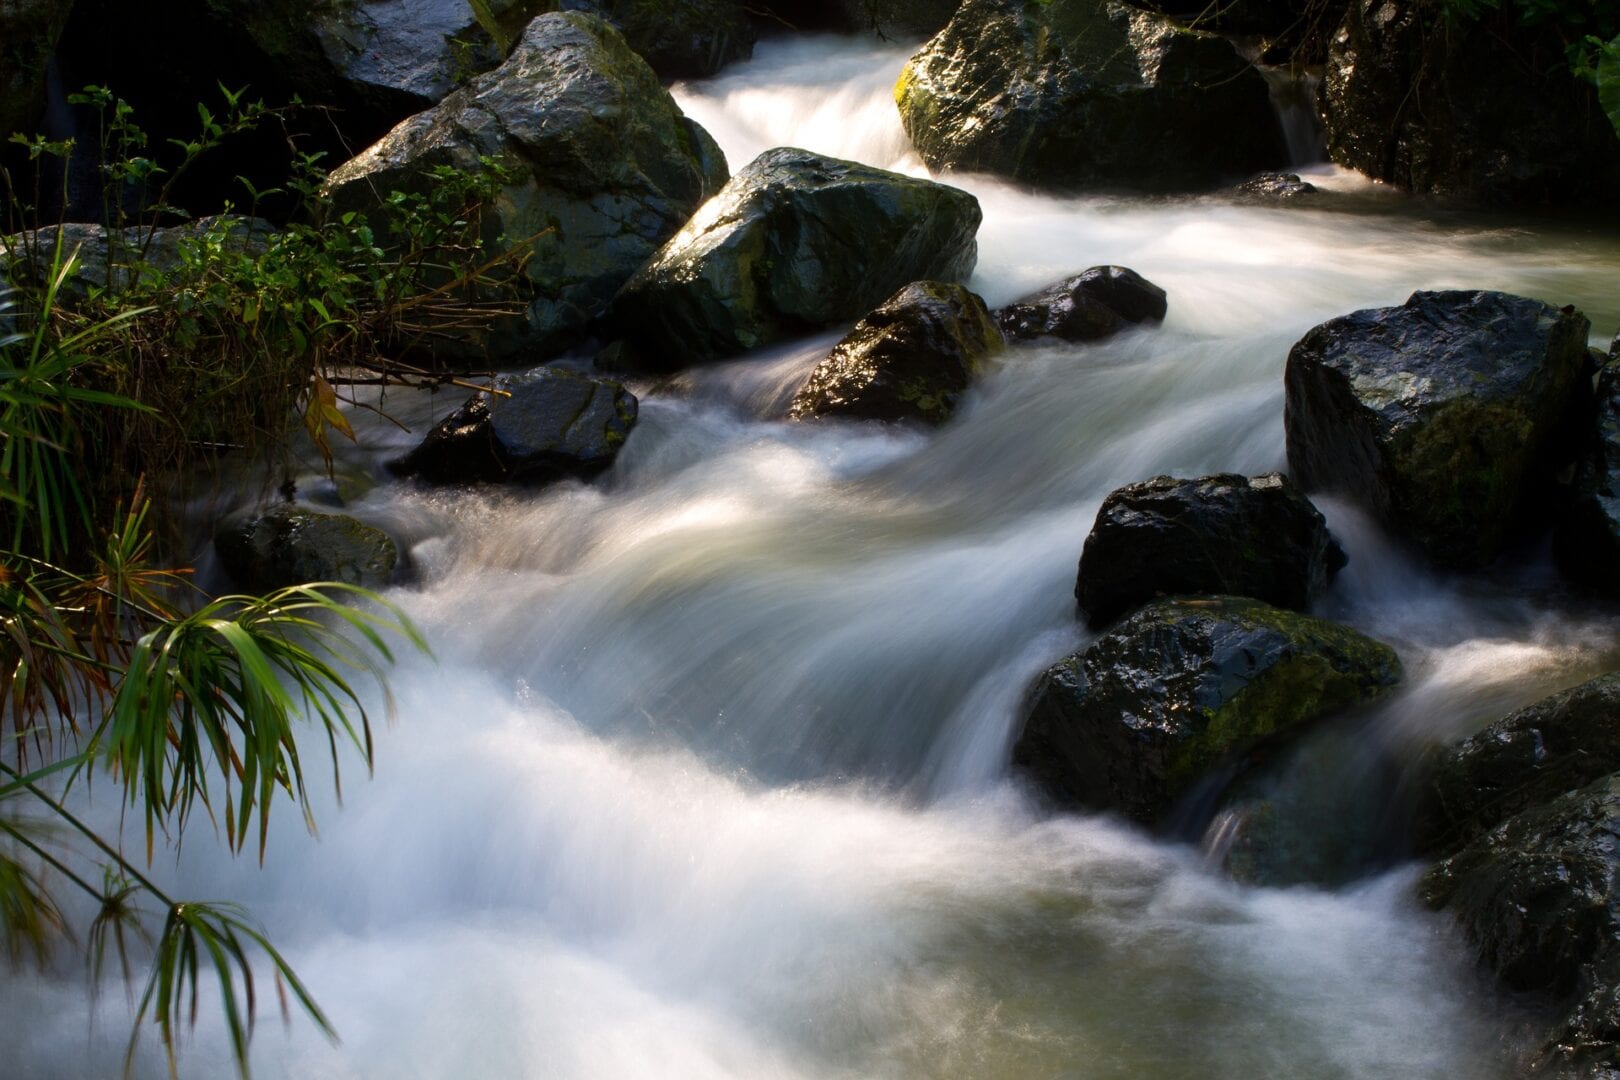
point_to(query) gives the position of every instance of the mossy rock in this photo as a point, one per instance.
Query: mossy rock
(603, 169)
(1448, 417)
(535, 428)
(1134, 721)
(911, 359)
(291, 545)
(1258, 537)
(796, 242)
(1087, 94)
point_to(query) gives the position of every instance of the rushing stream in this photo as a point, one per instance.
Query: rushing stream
(709, 778)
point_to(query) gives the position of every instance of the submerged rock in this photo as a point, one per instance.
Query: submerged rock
(1224, 534)
(1169, 693)
(537, 427)
(603, 169)
(1587, 541)
(1554, 746)
(1446, 417)
(1086, 93)
(292, 545)
(1539, 897)
(1275, 185)
(794, 243)
(1092, 305)
(1460, 108)
(911, 359)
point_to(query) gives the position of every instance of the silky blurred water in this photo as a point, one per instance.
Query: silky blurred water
(709, 777)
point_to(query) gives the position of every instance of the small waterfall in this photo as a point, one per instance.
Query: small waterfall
(1293, 96)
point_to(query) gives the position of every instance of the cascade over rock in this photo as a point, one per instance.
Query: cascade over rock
(291, 545)
(603, 168)
(1092, 305)
(1131, 723)
(1465, 109)
(794, 243)
(1086, 93)
(29, 30)
(1223, 534)
(911, 359)
(539, 426)
(1587, 542)
(1447, 417)
(1539, 897)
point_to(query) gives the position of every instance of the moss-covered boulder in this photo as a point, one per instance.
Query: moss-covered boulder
(291, 545)
(29, 30)
(1539, 896)
(1179, 687)
(1587, 541)
(1460, 107)
(534, 428)
(1447, 417)
(1089, 306)
(911, 359)
(796, 242)
(1087, 93)
(602, 167)
(1224, 534)
(1554, 746)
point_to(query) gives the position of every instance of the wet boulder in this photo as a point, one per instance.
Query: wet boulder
(1084, 94)
(1531, 757)
(1274, 186)
(601, 168)
(292, 545)
(911, 359)
(1134, 721)
(1587, 541)
(537, 427)
(29, 30)
(1447, 417)
(794, 243)
(1539, 897)
(1459, 107)
(1224, 534)
(1092, 305)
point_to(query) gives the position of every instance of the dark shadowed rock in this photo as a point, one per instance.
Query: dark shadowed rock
(1139, 717)
(1560, 743)
(899, 19)
(1086, 93)
(911, 359)
(544, 425)
(1587, 542)
(1446, 417)
(1087, 307)
(1539, 897)
(795, 242)
(1459, 107)
(1223, 534)
(604, 168)
(292, 545)
(680, 39)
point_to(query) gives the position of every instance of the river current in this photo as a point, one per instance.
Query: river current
(709, 777)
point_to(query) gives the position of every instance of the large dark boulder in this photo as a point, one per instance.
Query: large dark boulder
(1463, 107)
(1225, 534)
(1554, 746)
(911, 359)
(1539, 896)
(1182, 685)
(794, 243)
(293, 545)
(680, 39)
(29, 30)
(899, 19)
(1092, 305)
(603, 169)
(1447, 417)
(1087, 93)
(1587, 541)
(537, 427)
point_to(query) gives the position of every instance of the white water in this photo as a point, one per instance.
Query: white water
(709, 779)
